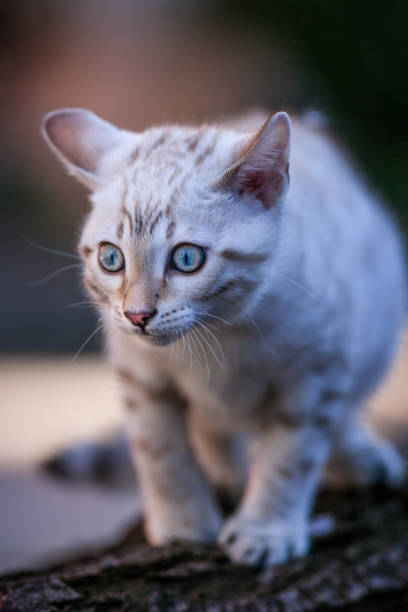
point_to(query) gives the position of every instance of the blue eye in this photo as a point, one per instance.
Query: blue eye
(111, 257)
(187, 258)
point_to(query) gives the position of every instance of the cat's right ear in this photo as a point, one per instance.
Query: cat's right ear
(81, 140)
(262, 165)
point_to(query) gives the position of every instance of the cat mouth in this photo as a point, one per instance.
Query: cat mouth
(157, 338)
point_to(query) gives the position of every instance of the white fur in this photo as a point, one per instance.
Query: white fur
(294, 357)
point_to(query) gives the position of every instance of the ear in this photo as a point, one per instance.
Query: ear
(81, 139)
(262, 166)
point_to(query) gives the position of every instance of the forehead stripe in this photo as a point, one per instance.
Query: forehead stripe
(173, 175)
(192, 141)
(133, 156)
(170, 229)
(207, 152)
(138, 223)
(155, 221)
(120, 229)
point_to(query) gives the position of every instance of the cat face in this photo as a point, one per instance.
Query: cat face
(184, 220)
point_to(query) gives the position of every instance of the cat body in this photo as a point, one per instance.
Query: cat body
(253, 367)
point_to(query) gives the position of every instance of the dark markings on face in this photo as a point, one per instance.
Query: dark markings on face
(174, 196)
(85, 251)
(176, 193)
(170, 229)
(134, 155)
(159, 141)
(173, 175)
(120, 230)
(206, 153)
(93, 287)
(155, 221)
(138, 228)
(242, 257)
(239, 286)
(192, 142)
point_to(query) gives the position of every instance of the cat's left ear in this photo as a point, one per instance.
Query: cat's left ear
(262, 167)
(81, 140)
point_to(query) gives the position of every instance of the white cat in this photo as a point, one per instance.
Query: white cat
(249, 294)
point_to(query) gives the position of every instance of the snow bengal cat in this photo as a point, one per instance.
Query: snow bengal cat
(252, 291)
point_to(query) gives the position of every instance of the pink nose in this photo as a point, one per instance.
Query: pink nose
(140, 318)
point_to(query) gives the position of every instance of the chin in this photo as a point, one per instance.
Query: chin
(157, 340)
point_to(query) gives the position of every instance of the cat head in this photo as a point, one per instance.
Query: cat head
(184, 220)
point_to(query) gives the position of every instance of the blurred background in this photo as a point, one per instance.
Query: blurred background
(138, 63)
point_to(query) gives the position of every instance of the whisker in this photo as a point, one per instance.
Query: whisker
(204, 353)
(215, 338)
(194, 341)
(77, 305)
(292, 280)
(184, 343)
(48, 250)
(208, 344)
(45, 279)
(89, 338)
(189, 348)
(207, 314)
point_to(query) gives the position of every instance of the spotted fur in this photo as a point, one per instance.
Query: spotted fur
(271, 347)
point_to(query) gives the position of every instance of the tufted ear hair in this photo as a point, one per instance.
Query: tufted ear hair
(81, 140)
(262, 165)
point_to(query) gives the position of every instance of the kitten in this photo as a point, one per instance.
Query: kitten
(250, 295)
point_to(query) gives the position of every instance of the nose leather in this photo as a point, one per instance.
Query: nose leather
(140, 318)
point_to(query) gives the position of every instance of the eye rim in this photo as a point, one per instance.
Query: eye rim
(106, 243)
(201, 248)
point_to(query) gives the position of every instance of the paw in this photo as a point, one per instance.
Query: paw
(368, 466)
(261, 544)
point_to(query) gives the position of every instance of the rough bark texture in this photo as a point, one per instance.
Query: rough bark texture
(361, 566)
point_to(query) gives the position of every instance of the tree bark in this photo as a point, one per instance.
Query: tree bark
(362, 566)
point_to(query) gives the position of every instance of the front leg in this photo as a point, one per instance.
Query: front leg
(271, 525)
(177, 500)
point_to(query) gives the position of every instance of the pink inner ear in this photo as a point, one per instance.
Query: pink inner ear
(250, 181)
(267, 183)
(264, 170)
